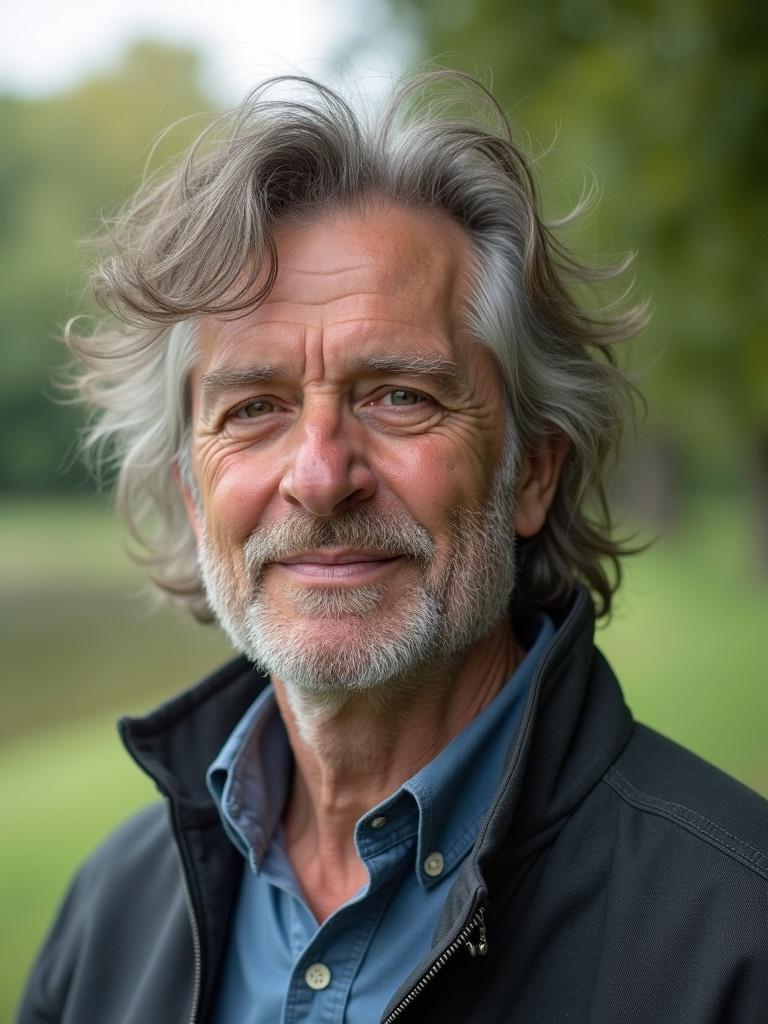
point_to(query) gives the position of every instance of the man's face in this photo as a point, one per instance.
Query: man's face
(355, 501)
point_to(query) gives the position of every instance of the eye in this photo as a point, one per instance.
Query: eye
(253, 409)
(402, 396)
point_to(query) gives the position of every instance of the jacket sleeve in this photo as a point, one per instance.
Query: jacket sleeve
(45, 996)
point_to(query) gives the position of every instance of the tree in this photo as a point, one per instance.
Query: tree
(668, 101)
(64, 160)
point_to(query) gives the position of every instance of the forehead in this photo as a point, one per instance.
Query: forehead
(398, 250)
(385, 277)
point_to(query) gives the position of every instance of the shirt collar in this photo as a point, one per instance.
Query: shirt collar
(443, 804)
(453, 792)
(250, 777)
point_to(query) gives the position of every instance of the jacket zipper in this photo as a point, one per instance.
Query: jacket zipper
(478, 948)
(197, 957)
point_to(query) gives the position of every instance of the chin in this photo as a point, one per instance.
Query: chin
(303, 605)
(342, 640)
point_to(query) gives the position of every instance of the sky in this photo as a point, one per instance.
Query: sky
(47, 45)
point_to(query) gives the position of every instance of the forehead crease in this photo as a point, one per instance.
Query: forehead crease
(319, 272)
(386, 280)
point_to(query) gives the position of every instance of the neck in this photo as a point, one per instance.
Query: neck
(353, 754)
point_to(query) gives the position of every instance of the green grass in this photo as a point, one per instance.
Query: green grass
(80, 647)
(78, 629)
(61, 791)
(689, 641)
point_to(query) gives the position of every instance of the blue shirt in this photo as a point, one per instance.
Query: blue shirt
(282, 967)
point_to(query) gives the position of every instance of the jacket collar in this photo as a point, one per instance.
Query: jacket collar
(574, 725)
(176, 743)
(573, 728)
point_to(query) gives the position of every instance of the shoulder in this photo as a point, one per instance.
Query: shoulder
(678, 792)
(131, 879)
(143, 838)
(689, 837)
(137, 834)
(138, 854)
(674, 856)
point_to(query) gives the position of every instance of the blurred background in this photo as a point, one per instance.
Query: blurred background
(664, 104)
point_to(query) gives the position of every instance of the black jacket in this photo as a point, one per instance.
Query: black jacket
(617, 878)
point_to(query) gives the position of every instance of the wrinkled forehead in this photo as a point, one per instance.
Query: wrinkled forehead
(384, 263)
(409, 251)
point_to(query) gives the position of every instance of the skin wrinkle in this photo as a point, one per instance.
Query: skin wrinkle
(215, 384)
(173, 261)
(382, 680)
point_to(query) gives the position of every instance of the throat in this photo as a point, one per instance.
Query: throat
(351, 754)
(329, 875)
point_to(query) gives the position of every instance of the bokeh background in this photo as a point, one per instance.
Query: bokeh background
(663, 104)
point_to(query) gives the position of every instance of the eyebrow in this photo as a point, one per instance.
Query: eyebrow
(214, 382)
(444, 371)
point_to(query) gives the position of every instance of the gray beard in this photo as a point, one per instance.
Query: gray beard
(387, 645)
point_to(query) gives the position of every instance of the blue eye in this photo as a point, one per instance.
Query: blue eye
(252, 410)
(402, 396)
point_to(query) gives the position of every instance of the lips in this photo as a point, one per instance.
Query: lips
(336, 564)
(332, 556)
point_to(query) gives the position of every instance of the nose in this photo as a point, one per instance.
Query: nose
(328, 470)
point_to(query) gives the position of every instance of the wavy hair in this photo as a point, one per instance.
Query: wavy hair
(200, 241)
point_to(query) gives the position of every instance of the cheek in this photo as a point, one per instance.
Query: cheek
(235, 499)
(435, 480)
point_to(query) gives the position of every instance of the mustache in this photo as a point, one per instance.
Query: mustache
(392, 534)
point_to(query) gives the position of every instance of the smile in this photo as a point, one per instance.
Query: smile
(337, 565)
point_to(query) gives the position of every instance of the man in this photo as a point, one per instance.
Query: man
(353, 397)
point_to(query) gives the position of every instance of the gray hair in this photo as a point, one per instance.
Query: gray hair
(201, 242)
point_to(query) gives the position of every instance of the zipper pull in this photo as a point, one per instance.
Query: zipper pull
(479, 948)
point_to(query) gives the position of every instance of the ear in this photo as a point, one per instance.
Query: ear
(537, 483)
(190, 503)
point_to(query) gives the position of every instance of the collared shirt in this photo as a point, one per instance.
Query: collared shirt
(281, 965)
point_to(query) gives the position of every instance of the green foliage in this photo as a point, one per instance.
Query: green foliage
(668, 102)
(64, 160)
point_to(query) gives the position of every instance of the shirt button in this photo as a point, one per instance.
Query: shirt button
(434, 864)
(317, 976)
(378, 822)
